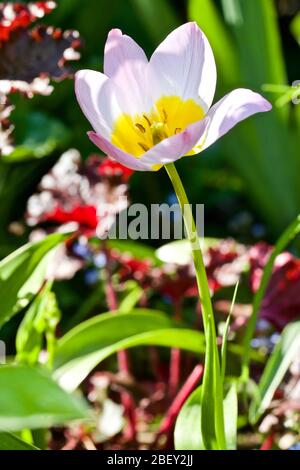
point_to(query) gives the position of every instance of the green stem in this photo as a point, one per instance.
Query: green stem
(212, 421)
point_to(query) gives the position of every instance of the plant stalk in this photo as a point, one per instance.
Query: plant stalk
(212, 417)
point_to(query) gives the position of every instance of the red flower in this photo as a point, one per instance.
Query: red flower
(112, 169)
(85, 216)
(16, 16)
(281, 303)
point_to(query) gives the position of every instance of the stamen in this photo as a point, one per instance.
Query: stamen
(147, 119)
(165, 116)
(178, 130)
(143, 146)
(140, 127)
(158, 132)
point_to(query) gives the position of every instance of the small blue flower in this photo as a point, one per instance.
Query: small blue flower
(81, 250)
(91, 276)
(295, 446)
(100, 260)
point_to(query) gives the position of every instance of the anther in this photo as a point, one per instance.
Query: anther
(147, 119)
(143, 146)
(165, 116)
(140, 127)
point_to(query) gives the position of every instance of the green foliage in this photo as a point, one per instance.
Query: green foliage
(189, 419)
(31, 399)
(288, 235)
(41, 320)
(22, 274)
(231, 417)
(270, 171)
(9, 441)
(86, 345)
(39, 136)
(276, 368)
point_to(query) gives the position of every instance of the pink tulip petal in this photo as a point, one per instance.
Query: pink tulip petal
(184, 65)
(119, 155)
(97, 98)
(175, 147)
(230, 110)
(167, 151)
(126, 64)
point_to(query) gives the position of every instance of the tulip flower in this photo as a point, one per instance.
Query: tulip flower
(146, 114)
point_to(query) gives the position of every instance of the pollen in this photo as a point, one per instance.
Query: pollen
(170, 115)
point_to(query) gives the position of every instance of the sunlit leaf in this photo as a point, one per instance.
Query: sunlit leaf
(288, 235)
(31, 399)
(277, 366)
(189, 419)
(231, 416)
(9, 441)
(89, 343)
(22, 274)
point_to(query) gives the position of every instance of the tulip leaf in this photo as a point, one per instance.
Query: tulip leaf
(206, 14)
(22, 274)
(149, 11)
(134, 249)
(9, 441)
(31, 399)
(288, 235)
(89, 343)
(260, 54)
(231, 416)
(295, 28)
(277, 366)
(189, 419)
(180, 252)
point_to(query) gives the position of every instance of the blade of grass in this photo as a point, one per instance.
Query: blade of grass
(225, 334)
(288, 235)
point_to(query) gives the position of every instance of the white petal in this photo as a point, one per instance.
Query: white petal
(230, 110)
(184, 65)
(126, 63)
(97, 98)
(167, 151)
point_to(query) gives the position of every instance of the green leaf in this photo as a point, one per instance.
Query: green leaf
(212, 414)
(260, 54)
(190, 416)
(41, 319)
(275, 370)
(41, 135)
(295, 28)
(225, 334)
(31, 399)
(134, 249)
(288, 235)
(180, 252)
(231, 416)
(149, 11)
(9, 441)
(206, 14)
(132, 297)
(187, 435)
(22, 274)
(89, 343)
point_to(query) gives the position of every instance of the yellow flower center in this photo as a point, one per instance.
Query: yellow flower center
(169, 116)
